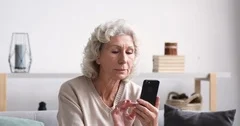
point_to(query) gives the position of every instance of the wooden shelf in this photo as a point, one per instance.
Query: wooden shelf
(141, 75)
(198, 77)
(202, 76)
(42, 75)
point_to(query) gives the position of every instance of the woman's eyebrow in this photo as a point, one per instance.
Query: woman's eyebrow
(120, 46)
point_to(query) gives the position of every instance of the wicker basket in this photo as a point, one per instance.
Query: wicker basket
(184, 104)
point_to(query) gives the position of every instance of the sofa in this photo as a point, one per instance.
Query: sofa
(49, 118)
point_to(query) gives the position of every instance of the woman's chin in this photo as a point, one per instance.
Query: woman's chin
(121, 76)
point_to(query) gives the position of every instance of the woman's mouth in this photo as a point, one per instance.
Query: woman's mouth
(120, 69)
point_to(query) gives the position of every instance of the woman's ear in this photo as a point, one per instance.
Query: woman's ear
(98, 61)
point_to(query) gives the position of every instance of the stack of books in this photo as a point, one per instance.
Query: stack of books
(168, 63)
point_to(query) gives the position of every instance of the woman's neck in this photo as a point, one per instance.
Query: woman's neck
(107, 89)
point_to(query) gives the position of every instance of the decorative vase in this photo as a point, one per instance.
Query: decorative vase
(20, 57)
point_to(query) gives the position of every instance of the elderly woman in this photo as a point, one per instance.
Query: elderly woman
(104, 95)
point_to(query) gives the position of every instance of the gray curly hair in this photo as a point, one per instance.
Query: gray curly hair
(99, 37)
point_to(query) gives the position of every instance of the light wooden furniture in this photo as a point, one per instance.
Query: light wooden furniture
(198, 77)
(3, 97)
(212, 78)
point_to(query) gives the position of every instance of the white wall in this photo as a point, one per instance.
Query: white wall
(207, 32)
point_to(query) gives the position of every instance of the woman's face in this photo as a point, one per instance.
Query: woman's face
(117, 57)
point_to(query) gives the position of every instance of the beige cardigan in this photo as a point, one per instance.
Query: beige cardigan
(81, 105)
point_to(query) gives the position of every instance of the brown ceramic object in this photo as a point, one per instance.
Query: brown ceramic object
(170, 48)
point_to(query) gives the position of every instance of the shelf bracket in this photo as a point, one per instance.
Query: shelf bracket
(212, 79)
(3, 96)
(212, 91)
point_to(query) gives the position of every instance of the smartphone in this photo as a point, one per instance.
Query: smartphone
(150, 90)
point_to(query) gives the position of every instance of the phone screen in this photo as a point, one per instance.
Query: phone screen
(150, 90)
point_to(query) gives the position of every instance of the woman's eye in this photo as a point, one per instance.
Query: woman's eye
(114, 52)
(129, 52)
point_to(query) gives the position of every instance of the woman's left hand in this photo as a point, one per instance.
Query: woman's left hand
(120, 114)
(147, 113)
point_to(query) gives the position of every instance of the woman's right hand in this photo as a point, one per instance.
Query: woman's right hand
(120, 114)
(147, 113)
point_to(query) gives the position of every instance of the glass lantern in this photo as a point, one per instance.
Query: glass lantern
(20, 57)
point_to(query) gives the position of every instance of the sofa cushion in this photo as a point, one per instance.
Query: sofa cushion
(176, 117)
(49, 118)
(14, 121)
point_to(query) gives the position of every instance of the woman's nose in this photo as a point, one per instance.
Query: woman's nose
(122, 59)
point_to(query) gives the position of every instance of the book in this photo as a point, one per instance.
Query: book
(168, 63)
(167, 57)
(169, 71)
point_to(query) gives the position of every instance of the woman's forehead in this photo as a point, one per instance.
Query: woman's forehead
(121, 40)
(119, 45)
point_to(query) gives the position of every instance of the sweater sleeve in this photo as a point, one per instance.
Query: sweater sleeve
(69, 112)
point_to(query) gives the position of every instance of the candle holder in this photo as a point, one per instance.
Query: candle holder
(20, 57)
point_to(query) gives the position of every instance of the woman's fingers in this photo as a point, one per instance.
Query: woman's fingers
(146, 112)
(125, 104)
(122, 116)
(121, 103)
(116, 110)
(131, 115)
(147, 105)
(140, 118)
(144, 116)
(157, 103)
(124, 108)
